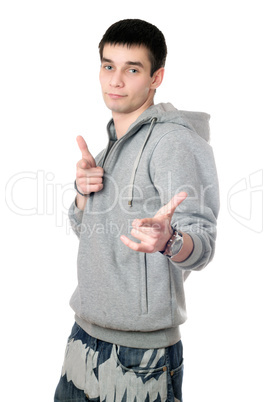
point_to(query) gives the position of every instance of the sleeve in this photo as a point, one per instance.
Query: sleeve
(183, 161)
(76, 217)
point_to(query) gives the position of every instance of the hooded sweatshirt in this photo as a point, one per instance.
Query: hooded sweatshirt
(127, 297)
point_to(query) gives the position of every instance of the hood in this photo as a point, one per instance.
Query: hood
(166, 112)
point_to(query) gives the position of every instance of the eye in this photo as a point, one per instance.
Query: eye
(133, 70)
(108, 68)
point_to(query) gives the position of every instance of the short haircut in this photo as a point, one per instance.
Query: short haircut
(135, 32)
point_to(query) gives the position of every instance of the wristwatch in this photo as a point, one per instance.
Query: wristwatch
(174, 245)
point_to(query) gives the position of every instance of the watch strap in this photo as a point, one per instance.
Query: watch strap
(176, 237)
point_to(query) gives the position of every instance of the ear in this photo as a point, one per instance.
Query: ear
(157, 78)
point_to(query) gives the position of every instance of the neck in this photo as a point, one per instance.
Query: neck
(122, 121)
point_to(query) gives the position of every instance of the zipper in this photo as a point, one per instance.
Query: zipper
(108, 153)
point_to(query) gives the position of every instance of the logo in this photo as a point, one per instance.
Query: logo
(245, 201)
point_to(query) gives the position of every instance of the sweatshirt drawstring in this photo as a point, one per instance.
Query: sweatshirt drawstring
(137, 161)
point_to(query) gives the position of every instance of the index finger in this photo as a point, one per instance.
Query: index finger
(175, 201)
(84, 150)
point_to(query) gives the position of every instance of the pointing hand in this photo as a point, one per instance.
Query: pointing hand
(89, 177)
(155, 232)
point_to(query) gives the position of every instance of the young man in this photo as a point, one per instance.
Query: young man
(145, 215)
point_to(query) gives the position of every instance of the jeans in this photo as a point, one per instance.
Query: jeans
(98, 371)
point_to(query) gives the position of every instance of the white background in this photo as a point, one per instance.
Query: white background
(217, 63)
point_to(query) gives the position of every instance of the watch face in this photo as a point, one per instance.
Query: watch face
(176, 246)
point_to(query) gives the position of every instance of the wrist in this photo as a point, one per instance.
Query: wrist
(80, 202)
(79, 192)
(186, 250)
(81, 199)
(174, 244)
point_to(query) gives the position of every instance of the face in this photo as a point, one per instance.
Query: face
(126, 84)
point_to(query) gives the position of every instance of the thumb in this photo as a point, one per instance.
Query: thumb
(170, 207)
(85, 152)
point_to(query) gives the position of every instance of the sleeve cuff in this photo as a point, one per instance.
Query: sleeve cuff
(196, 254)
(76, 213)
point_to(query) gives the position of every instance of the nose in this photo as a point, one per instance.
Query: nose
(116, 80)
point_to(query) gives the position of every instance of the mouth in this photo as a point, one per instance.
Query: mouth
(115, 96)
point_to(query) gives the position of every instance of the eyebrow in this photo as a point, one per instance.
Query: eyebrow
(128, 63)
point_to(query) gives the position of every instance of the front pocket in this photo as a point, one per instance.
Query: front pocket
(144, 287)
(140, 361)
(140, 373)
(178, 371)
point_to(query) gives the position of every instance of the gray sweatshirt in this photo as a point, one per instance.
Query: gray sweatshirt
(127, 297)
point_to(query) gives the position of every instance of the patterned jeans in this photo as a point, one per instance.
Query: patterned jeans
(98, 371)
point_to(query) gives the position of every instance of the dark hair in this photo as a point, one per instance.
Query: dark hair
(131, 32)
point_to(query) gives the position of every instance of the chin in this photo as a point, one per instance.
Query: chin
(118, 109)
